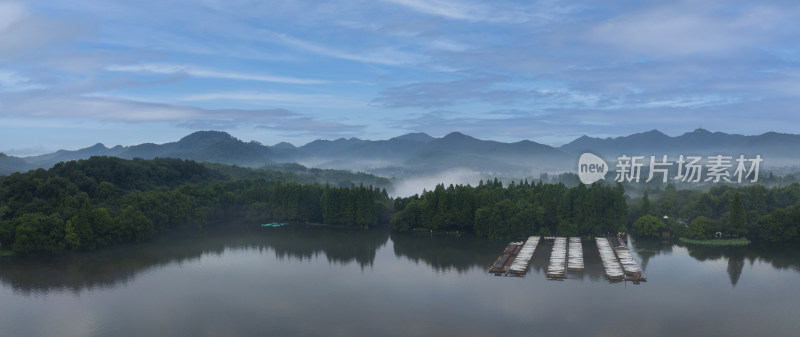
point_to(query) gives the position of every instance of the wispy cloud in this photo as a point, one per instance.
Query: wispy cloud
(503, 69)
(290, 99)
(313, 127)
(472, 11)
(435, 94)
(208, 73)
(495, 90)
(382, 55)
(449, 9)
(129, 111)
(23, 32)
(12, 81)
(689, 27)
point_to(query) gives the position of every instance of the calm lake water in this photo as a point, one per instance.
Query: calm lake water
(327, 282)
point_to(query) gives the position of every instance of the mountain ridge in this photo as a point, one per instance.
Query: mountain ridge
(418, 153)
(698, 141)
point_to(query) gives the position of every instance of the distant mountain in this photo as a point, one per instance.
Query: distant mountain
(457, 142)
(283, 146)
(410, 154)
(48, 160)
(10, 164)
(644, 142)
(210, 146)
(417, 137)
(419, 154)
(778, 146)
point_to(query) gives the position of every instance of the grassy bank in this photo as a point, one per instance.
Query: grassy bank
(4, 253)
(717, 242)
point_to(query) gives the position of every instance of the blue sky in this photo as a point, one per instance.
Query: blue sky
(73, 73)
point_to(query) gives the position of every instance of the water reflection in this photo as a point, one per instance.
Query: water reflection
(784, 256)
(780, 256)
(119, 265)
(647, 249)
(340, 246)
(444, 253)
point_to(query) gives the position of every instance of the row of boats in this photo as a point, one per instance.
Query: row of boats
(632, 270)
(516, 258)
(618, 261)
(610, 263)
(520, 265)
(575, 255)
(558, 258)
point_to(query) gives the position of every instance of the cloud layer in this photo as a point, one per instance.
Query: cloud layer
(300, 70)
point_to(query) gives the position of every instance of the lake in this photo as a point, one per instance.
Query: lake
(297, 281)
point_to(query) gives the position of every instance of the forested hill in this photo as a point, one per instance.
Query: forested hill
(88, 204)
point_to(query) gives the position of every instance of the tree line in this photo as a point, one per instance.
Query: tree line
(520, 209)
(754, 211)
(102, 201)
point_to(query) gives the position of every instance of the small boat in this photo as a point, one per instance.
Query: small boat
(274, 224)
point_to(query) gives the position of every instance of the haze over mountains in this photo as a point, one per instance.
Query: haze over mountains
(417, 154)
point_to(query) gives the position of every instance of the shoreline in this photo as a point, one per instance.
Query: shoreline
(717, 242)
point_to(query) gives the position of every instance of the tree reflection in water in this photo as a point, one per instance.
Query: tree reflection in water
(118, 265)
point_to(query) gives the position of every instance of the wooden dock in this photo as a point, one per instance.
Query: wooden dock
(521, 263)
(575, 261)
(558, 259)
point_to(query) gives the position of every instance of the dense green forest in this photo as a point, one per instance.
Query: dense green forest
(520, 209)
(491, 210)
(754, 211)
(88, 204)
(102, 201)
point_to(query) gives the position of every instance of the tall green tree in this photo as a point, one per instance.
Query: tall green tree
(71, 238)
(698, 227)
(646, 208)
(737, 217)
(648, 226)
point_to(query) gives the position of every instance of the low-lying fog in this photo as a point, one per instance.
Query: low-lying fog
(415, 185)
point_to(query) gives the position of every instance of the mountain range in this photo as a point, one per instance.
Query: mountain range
(419, 153)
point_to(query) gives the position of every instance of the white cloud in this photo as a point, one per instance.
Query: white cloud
(207, 73)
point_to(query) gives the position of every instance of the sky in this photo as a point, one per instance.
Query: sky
(75, 73)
